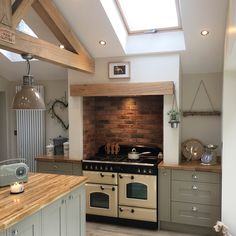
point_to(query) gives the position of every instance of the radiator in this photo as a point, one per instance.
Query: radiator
(30, 125)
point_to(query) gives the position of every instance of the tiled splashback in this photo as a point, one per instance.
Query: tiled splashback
(127, 120)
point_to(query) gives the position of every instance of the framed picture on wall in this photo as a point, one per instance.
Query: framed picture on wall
(119, 70)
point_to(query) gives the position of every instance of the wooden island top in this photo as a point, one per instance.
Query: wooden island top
(192, 166)
(40, 191)
(57, 158)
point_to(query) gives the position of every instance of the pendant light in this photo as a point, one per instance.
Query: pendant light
(28, 97)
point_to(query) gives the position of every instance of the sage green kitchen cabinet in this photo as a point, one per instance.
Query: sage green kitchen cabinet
(62, 168)
(31, 226)
(4, 233)
(66, 216)
(189, 197)
(164, 194)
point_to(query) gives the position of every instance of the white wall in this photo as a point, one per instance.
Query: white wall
(207, 129)
(52, 90)
(229, 123)
(143, 69)
(4, 134)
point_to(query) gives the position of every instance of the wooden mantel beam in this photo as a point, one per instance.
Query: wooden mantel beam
(19, 9)
(122, 89)
(45, 51)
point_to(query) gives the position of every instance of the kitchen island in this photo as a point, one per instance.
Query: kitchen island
(51, 205)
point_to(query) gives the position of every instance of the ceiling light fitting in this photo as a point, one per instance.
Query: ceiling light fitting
(204, 32)
(102, 42)
(61, 46)
(28, 97)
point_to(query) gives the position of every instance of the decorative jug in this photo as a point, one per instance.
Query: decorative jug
(209, 155)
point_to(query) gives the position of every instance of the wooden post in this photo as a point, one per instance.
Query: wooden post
(5, 12)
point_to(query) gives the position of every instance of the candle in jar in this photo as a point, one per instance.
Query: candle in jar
(17, 187)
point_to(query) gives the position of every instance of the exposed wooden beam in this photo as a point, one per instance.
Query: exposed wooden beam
(19, 9)
(47, 52)
(122, 89)
(5, 12)
(52, 17)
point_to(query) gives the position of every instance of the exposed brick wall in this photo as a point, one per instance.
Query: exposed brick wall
(126, 120)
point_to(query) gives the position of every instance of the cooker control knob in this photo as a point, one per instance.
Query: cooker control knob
(111, 169)
(95, 167)
(106, 168)
(149, 171)
(91, 167)
(144, 171)
(86, 167)
(138, 170)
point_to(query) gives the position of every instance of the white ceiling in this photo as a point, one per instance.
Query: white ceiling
(91, 24)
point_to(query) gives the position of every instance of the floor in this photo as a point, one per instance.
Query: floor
(99, 229)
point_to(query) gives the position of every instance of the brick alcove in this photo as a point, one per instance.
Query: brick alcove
(123, 120)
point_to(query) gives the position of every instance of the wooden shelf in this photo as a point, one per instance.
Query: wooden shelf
(122, 89)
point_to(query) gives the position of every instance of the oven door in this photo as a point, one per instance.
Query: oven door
(138, 190)
(101, 199)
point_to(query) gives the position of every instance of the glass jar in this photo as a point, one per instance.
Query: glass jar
(209, 155)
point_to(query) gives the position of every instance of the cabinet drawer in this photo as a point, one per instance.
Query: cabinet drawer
(77, 169)
(194, 192)
(54, 166)
(136, 213)
(195, 214)
(101, 177)
(196, 176)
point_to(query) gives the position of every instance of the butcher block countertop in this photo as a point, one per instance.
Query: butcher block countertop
(57, 158)
(40, 191)
(192, 166)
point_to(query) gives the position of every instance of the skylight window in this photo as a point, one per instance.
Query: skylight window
(149, 15)
(14, 57)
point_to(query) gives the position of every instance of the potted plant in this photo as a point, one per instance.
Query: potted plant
(174, 118)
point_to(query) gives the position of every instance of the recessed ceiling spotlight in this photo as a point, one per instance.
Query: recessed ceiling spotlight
(102, 42)
(61, 46)
(204, 32)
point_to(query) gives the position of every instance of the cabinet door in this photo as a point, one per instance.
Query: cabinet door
(3, 233)
(52, 216)
(76, 213)
(164, 194)
(31, 226)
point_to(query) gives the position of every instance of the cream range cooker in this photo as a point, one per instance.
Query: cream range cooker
(120, 189)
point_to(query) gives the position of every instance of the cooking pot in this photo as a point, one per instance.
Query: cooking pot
(135, 155)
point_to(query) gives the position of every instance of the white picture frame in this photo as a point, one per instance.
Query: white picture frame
(119, 70)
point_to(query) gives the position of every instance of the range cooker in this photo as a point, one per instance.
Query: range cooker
(121, 188)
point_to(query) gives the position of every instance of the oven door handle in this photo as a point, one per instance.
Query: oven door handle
(109, 188)
(126, 209)
(126, 176)
(110, 175)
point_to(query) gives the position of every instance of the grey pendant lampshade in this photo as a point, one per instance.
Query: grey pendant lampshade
(28, 97)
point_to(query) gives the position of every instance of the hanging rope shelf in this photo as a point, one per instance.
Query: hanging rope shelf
(211, 112)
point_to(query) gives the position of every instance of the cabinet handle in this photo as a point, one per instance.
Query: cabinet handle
(121, 177)
(194, 209)
(70, 197)
(14, 232)
(63, 201)
(132, 210)
(123, 209)
(55, 167)
(164, 173)
(194, 177)
(195, 187)
(102, 188)
(113, 176)
(102, 175)
(132, 177)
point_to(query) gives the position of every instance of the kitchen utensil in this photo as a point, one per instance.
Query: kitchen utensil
(117, 148)
(135, 155)
(113, 148)
(108, 148)
(192, 149)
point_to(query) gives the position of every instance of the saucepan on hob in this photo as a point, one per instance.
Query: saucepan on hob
(135, 155)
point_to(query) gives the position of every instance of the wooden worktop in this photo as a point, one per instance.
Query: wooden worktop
(191, 165)
(40, 191)
(57, 158)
